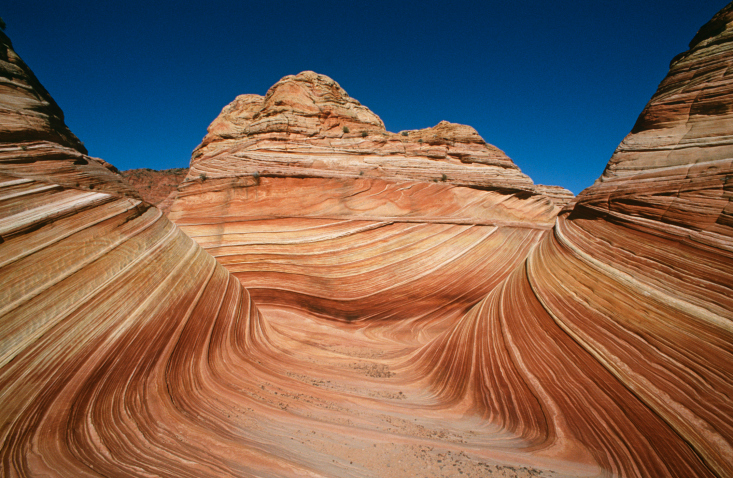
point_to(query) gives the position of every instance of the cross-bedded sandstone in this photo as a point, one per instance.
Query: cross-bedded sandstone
(384, 323)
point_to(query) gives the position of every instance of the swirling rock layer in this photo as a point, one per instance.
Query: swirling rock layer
(616, 331)
(35, 142)
(363, 315)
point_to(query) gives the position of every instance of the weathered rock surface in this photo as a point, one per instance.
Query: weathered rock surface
(615, 335)
(307, 167)
(580, 349)
(390, 325)
(559, 195)
(127, 350)
(96, 290)
(308, 126)
(156, 187)
(674, 167)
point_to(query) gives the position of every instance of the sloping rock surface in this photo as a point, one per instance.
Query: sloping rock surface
(99, 295)
(391, 324)
(621, 318)
(35, 141)
(306, 198)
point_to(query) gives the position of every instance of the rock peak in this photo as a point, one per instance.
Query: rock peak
(715, 27)
(312, 85)
(307, 104)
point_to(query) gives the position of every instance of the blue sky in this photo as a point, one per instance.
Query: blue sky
(555, 84)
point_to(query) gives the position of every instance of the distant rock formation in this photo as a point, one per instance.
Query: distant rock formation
(559, 195)
(308, 126)
(393, 323)
(156, 187)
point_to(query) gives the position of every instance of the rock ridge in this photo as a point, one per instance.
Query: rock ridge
(681, 139)
(35, 140)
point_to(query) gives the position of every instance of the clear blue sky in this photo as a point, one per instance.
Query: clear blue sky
(555, 84)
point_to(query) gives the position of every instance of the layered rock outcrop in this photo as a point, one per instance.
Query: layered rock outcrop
(100, 297)
(615, 334)
(391, 324)
(559, 195)
(674, 166)
(308, 168)
(35, 140)
(308, 126)
(588, 331)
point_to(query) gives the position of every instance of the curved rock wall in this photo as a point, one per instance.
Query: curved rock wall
(394, 322)
(34, 140)
(616, 332)
(311, 203)
(101, 299)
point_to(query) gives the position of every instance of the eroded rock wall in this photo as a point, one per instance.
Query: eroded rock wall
(35, 142)
(615, 334)
(306, 198)
(100, 297)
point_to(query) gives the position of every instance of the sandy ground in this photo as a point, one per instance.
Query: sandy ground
(345, 409)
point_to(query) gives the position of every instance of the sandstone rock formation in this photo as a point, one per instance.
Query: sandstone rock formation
(559, 195)
(308, 126)
(616, 331)
(156, 187)
(393, 323)
(580, 349)
(308, 170)
(96, 289)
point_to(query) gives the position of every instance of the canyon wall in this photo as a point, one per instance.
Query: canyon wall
(616, 331)
(100, 297)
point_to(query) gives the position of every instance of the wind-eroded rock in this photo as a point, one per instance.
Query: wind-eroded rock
(308, 126)
(390, 325)
(559, 195)
(581, 346)
(100, 295)
(35, 142)
(615, 335)
(309, 158)
(674, 167)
